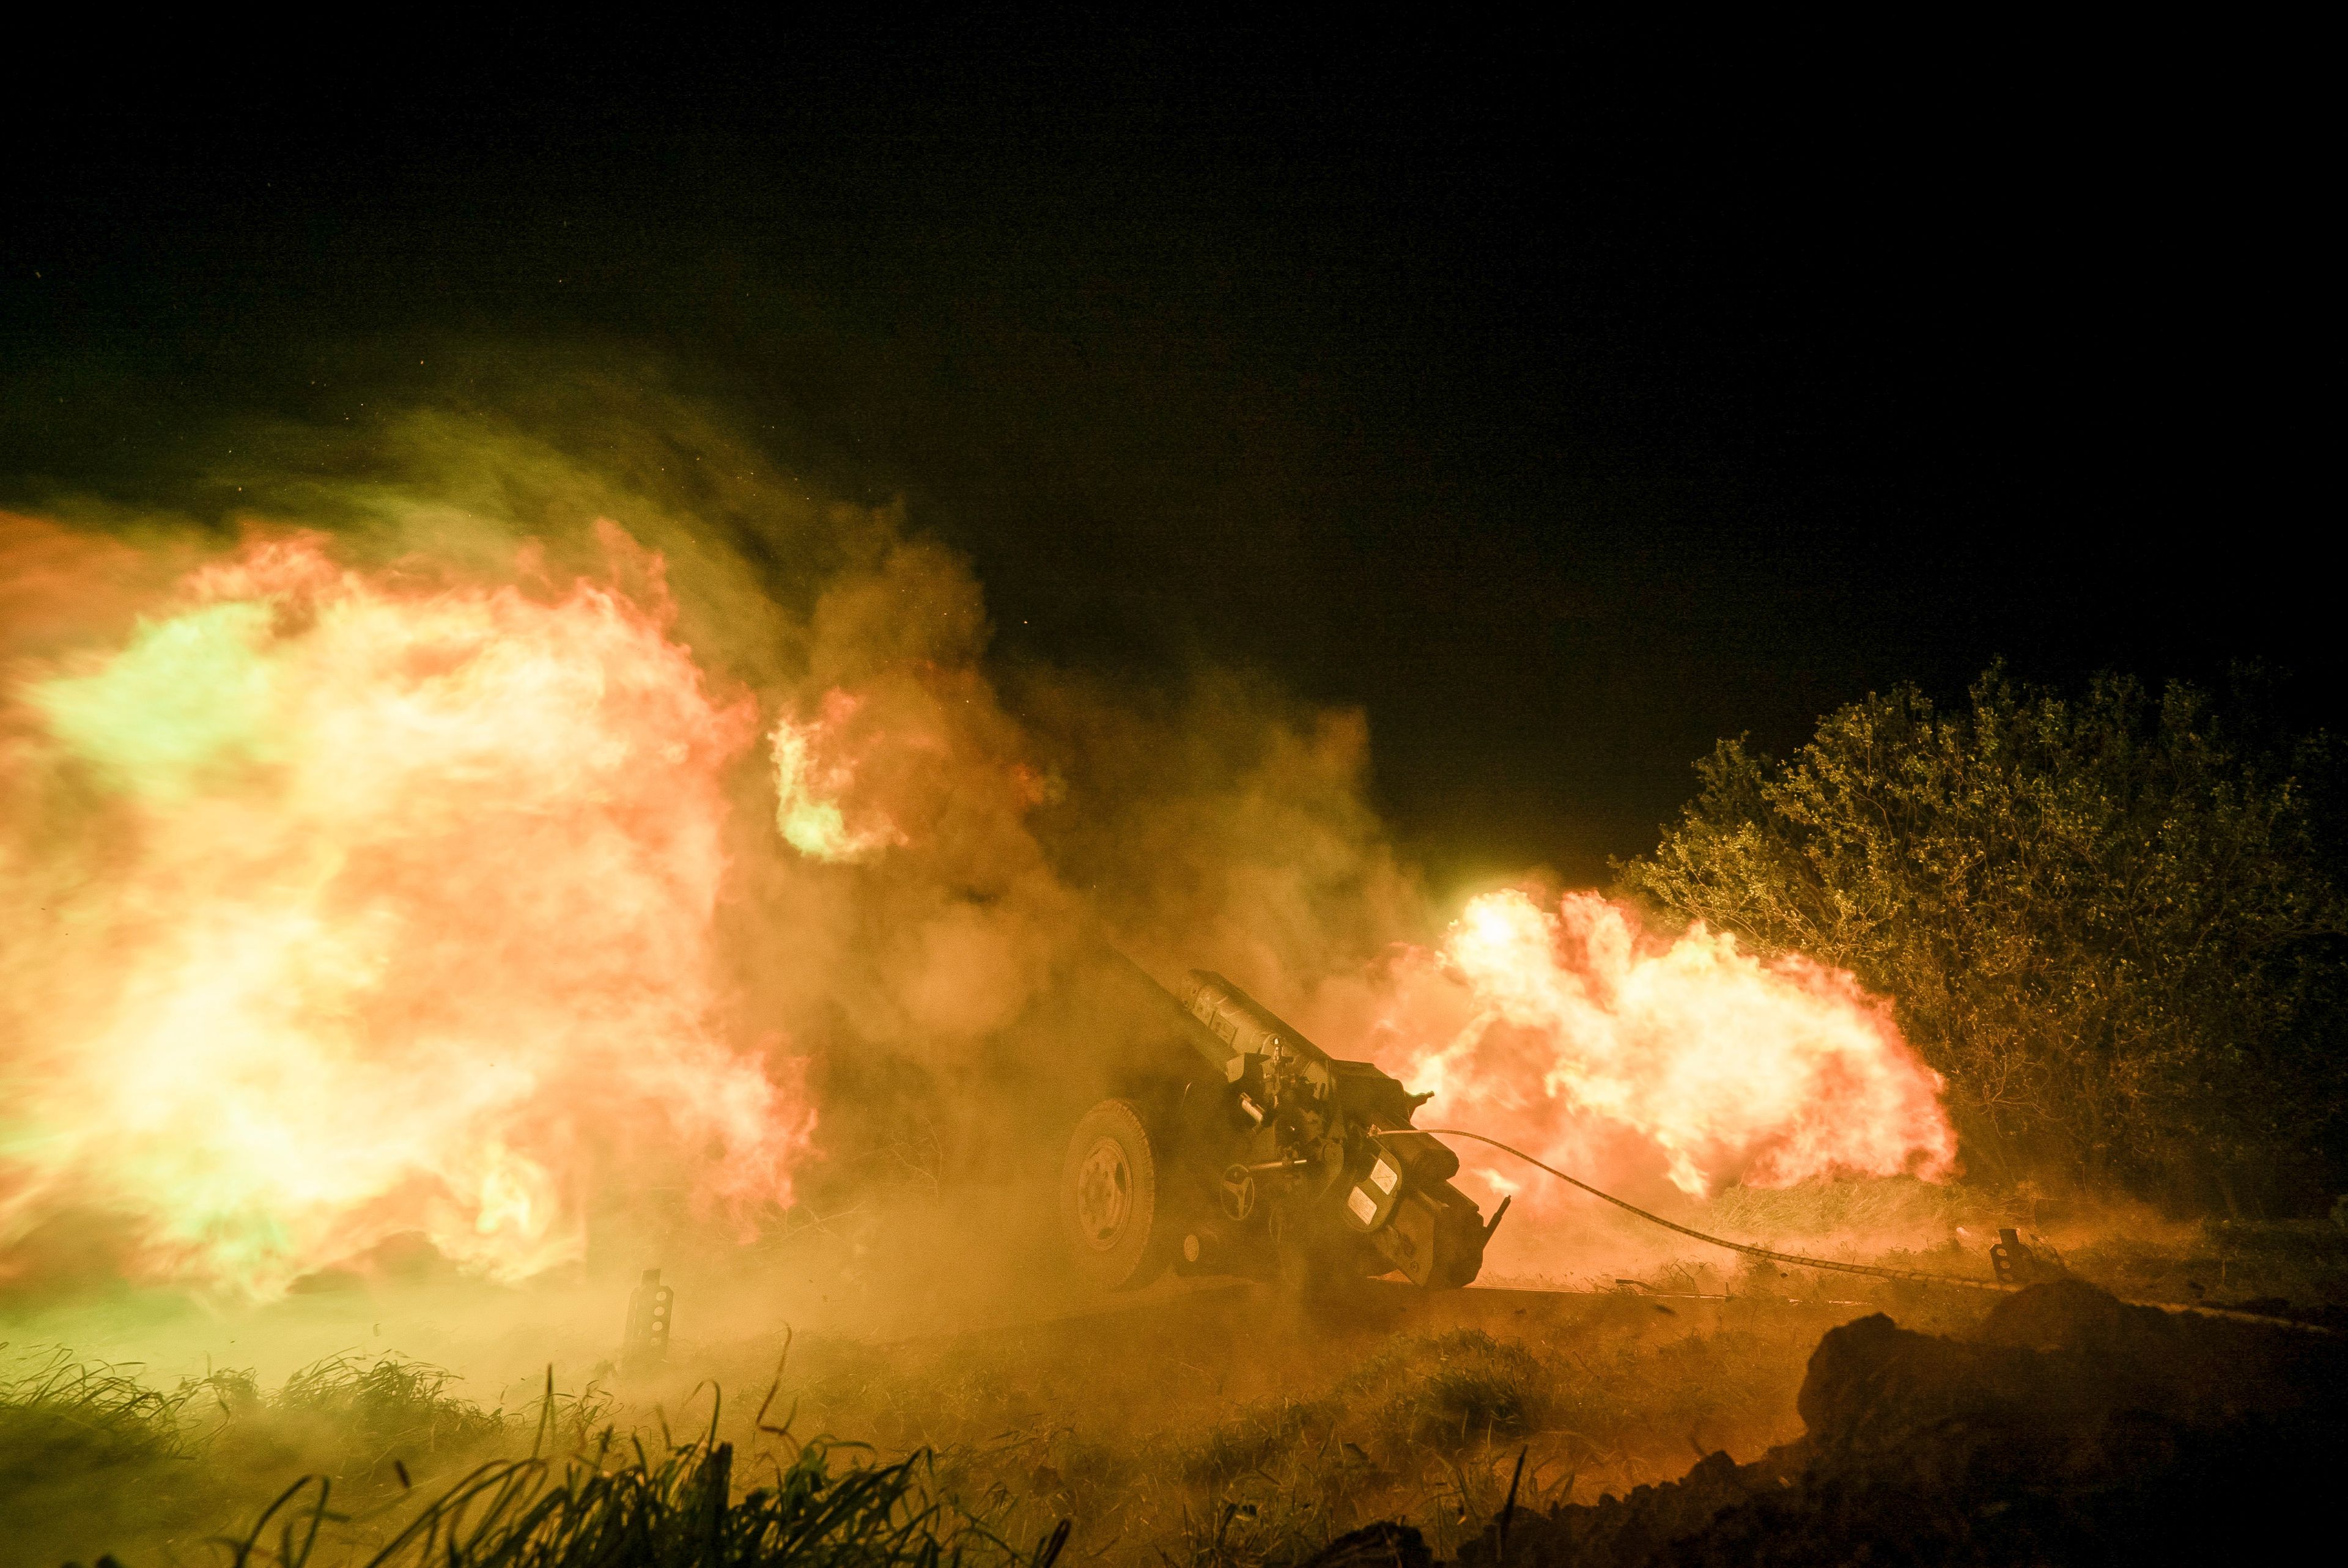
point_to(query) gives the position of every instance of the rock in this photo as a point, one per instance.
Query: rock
(2071, 1428)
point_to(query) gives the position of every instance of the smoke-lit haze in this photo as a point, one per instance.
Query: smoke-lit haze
(543, 814)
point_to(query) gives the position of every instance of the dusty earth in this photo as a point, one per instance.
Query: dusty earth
(1209, 1422)
(2067, 1427)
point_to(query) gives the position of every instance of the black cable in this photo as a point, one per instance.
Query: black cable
(1874, 1270)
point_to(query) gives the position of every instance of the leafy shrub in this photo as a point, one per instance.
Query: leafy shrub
(2116, 924)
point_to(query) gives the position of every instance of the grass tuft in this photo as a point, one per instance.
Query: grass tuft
(1449, 1391)
(91, 1457)
(1245, 1439)
(57, 1414)
(391, 1407)
(620, 1505)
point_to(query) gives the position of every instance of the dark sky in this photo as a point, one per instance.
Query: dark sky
(1565, 404)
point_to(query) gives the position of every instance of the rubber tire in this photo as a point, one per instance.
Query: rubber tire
(1137, 1251)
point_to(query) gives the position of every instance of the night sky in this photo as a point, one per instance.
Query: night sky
(1564, 403)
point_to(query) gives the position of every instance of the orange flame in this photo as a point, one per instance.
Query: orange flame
(814, 771)
(1580, 1032)
(353, 905)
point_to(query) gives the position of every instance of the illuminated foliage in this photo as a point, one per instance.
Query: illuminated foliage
(2112, 921)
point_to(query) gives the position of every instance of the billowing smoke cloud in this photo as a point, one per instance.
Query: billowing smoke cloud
(353, 903)
(497, 812)
(470, 840)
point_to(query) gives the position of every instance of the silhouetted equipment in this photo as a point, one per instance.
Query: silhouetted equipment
(2017, 1264)
(1243, 1148)
(645, 1344)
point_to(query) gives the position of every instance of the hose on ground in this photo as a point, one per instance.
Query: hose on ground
(1876, 1271)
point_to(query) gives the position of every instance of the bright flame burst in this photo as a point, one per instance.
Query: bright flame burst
(814, 771)
(1581, 1031)
(370, 906)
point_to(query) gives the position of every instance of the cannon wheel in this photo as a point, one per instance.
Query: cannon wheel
(1111, 1205)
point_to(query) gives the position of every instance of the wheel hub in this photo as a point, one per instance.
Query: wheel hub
(1104, 1193)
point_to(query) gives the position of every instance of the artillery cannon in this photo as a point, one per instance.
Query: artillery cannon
(1238, 1146)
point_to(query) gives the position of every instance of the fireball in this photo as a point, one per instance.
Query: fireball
(351, 903)
(1583, 1032)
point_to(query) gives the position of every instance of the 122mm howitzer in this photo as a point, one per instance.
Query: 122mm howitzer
(1256, 1153)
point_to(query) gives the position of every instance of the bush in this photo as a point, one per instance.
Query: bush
(2115, 923)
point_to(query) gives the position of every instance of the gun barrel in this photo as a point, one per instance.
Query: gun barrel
(1244, 1024)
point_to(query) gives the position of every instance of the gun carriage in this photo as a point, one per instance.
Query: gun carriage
(1240, 1147)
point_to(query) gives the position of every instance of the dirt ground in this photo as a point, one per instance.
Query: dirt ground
(1198, 1422)
(2066, 1427)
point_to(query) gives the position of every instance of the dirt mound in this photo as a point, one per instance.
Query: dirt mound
(2071, 1428)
